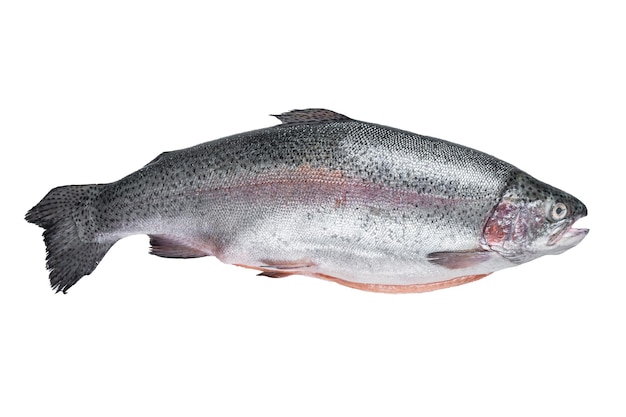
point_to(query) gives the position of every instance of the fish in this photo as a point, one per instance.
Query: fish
(322, 195)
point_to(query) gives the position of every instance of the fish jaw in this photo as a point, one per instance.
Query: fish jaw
(567, 239)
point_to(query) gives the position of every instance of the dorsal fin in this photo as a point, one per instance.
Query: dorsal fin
(309, 116)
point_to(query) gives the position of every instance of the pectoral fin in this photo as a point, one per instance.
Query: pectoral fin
(458, 260)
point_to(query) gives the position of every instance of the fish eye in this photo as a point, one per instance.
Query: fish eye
(559, 211)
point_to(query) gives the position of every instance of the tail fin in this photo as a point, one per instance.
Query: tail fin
(72, 250)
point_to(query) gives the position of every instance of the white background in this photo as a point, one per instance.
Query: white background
(92, 91)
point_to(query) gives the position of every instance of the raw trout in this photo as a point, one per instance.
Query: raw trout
(322, 195)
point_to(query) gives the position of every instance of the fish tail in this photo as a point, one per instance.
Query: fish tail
(70, 233)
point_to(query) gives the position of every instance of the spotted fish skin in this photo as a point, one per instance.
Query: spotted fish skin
(365, 205)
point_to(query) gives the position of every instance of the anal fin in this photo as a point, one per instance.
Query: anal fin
(175, 247)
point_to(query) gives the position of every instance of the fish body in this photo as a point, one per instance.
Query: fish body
(323, 195)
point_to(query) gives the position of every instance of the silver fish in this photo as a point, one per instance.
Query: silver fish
(322, 195)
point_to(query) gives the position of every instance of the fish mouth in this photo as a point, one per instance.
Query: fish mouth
(567, 235)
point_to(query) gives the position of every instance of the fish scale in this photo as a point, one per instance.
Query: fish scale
(323, 195)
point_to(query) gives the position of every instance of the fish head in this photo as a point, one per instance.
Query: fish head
(533, 219)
